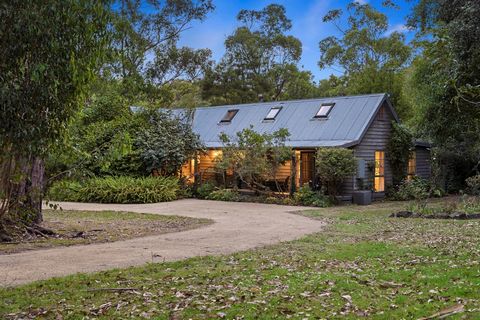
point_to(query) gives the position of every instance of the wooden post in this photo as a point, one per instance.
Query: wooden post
(196, 178)
(293, 174)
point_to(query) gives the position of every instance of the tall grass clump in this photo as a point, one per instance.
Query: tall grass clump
(64, 190)
(118, 190)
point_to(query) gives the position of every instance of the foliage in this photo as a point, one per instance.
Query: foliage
(50, 52)
(186, 94)
(457, 205)
(65, 190)
(145, 55)
(102, 142)
(260, 61)
(473, 184)
(204, 190)
(223, 195)
(414, 189)
(100, 139)
(46, 67)
(470, 205)
(117, 190)
(446, 81)
(399, 150)
(333, 165)
(254, 157)
(372, 59)
(305, 196)
(167, 142)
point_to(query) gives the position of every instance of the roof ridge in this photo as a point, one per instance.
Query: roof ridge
(290, 101)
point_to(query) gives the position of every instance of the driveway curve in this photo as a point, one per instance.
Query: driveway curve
(237, 226)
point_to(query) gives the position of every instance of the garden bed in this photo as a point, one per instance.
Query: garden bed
(438, 215)
(454, 208)
(88, 227)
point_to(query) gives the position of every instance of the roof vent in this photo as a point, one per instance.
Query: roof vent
(227, 118)
(324, 110)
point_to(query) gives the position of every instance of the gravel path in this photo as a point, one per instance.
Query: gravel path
(237, 227)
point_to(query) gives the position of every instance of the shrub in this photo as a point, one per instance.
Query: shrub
(415, 189)
(288, 202)
(473, 184)
(167, 142)
(204, 190)
(469, 205)
(254, 157)
(64, 190)
(272, 200)
(223, 195)
(333, 166)
(307, 197)
(122, 190)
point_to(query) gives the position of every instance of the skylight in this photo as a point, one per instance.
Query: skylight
(272, 114)
(229, 115)
(324, 110)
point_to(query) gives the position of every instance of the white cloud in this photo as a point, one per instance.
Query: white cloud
(361, 1)
(401, 28)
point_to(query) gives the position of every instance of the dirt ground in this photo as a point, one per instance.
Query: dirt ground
(87, 227)
(236, 227)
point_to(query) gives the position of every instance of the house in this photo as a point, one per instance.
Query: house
(361, 123)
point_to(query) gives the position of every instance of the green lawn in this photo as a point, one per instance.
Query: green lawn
(363, 265)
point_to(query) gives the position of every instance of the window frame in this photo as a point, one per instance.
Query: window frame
(227, 118)
(330, 106)
(412, 166)
(277, 108)
(379, 171)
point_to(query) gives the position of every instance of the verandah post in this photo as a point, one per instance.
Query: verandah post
(293, 174)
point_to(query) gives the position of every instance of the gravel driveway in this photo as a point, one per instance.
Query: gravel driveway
(237, 227)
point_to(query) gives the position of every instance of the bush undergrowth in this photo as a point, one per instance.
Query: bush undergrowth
(116, 190)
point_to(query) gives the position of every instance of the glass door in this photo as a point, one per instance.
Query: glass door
(307, 167)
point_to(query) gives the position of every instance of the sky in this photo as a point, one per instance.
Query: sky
(306, 16)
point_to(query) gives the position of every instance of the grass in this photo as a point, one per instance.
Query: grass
(363, 265)
(86, 227)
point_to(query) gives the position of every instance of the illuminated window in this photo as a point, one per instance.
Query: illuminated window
(272, 114)
(379, 183)
(229, 115)
(324, 110)
(412, 166)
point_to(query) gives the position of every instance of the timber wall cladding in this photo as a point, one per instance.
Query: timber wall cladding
(206, 165)
(423, 163)
(375, 139)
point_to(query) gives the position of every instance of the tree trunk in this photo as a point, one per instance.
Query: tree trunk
(25, 204)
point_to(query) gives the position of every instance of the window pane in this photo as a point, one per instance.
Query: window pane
(412, 164)
(379, 184)
(229, 115)
(379, 180)
(324, 110)
(273, 113)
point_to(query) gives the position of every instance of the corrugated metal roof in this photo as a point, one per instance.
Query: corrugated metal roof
(345, 125)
